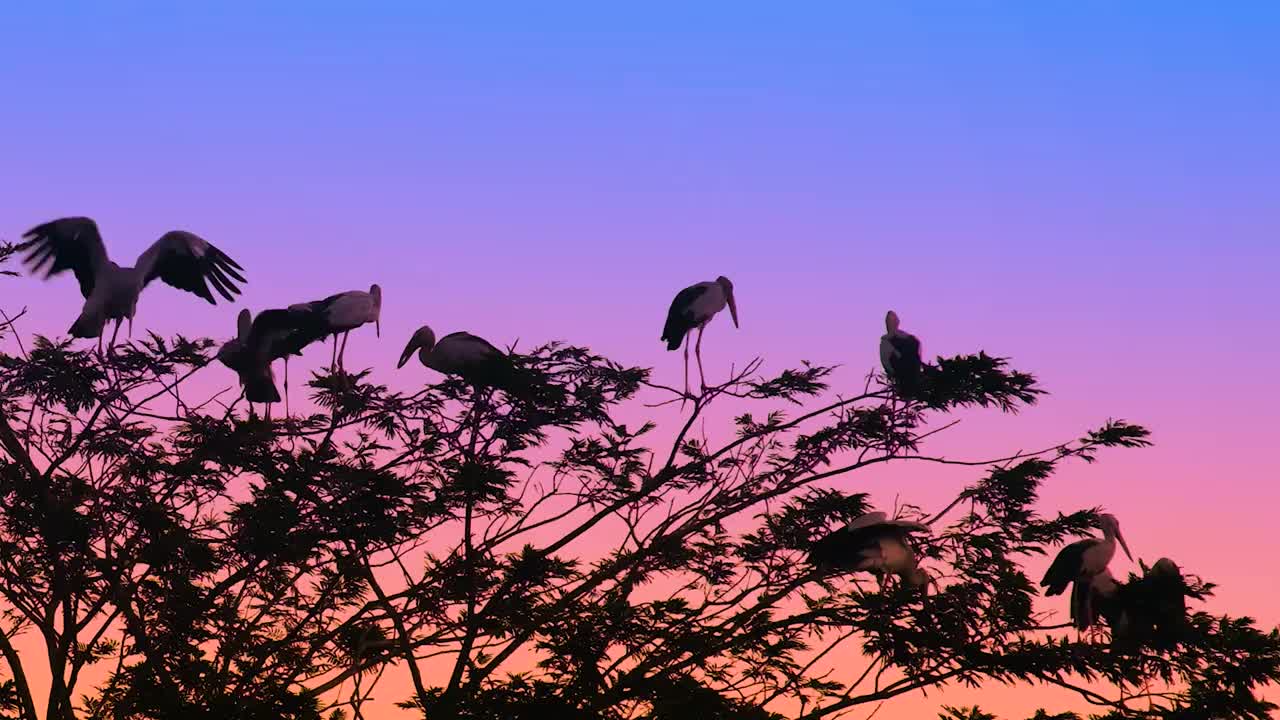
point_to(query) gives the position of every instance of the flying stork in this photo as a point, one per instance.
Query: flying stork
(340, 314)
(111, 292)
(468, 356)
(274, 334)
(693, 307)
(872, 543)
(900, 355)
(1079, 563)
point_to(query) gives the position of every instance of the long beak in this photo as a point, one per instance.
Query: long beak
(377, 327)
(733, 310)
(408, 353)
(1123, 545)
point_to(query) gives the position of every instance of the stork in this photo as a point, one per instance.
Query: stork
(111, 292)
(257, 380)
(1145, 611)
(694, 307)
(340, 314)
(1168, 594)
(872, 543)
(1079, 563)
(900, 355)
(468, 356)
(274, 334)
(1156, 607)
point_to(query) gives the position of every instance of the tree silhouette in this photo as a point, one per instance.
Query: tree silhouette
(532, 557)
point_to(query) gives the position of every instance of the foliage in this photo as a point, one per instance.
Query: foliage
(200, 562)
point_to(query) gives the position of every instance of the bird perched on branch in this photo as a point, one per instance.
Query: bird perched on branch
(1165, 602)
(340, 314)
(1080, 563)
(900, 356)
(875, 544)
(467, 356)
(1151, 611)
(111, 292)
(694, 307)
(273, 335)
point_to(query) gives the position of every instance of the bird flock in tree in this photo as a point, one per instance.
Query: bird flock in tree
(1146, 610)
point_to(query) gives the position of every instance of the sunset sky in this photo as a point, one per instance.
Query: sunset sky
(1090, 189)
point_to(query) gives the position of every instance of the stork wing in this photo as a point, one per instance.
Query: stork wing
(1066, 566)
(887, 353)
(268, 323)
(866, 519)
(475, 345)
(186, 261)
(685, 299)
(70, 243)
(909, 526)
(844, 548)
(277, 333)
(319, 306)
(907, 345)
(879, 519)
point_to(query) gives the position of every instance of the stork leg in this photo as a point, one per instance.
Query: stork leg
(697, 350)
(114, 333)
(130, 327)
(286, 386)
(343, 352)
(333, 360)
(685, 397)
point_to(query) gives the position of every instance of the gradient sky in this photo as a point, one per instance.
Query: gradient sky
(1090, 188)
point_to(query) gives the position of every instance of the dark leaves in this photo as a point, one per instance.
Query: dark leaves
(7, 250)
(540, 525)
(53, 374)
(792, 385)
(1116, 433)
(979, 380)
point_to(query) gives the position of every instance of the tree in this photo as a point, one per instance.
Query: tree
(536, 558)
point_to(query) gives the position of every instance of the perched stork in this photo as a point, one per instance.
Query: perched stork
(1155, 611)
(872, 543)
(693, 307)
(111, 292)
(272, 335)
(1168, 593)
(900, 355)
(468, 356)
(1145, 611)
(256, 378)
(340, 314)
(1079, 563)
